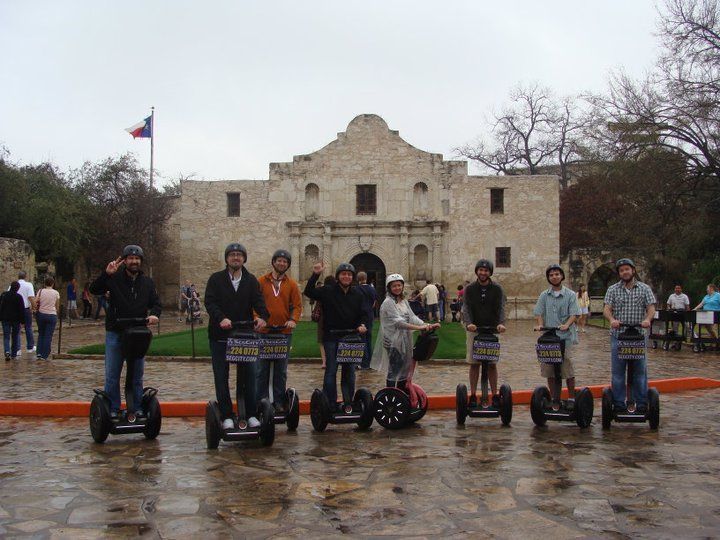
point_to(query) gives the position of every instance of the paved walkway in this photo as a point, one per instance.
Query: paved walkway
(74, 379)
(436, 479)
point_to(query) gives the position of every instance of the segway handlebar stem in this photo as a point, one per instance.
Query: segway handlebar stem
(547, 328)
(486, 329)
(132, 320)
(338, 332)
(243, 324)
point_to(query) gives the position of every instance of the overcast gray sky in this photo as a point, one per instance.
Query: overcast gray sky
(239, 84)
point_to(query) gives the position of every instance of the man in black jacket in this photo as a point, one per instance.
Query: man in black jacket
(342, 306)
(12, 315)
(483, 306)
(231, 295)
(132, 295)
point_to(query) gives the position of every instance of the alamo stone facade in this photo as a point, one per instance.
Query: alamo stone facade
(371, 198)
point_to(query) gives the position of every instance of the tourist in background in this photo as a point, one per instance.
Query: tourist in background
(584, 302)
(678, 301)
(87, 301)
(370, 300)
(710, 302)
(48, 303)
(27, 291)
(12, 315)
(72, 299)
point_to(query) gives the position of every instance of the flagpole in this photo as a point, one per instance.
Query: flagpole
(152, 199)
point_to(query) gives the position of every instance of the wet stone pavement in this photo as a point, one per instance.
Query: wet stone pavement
(435, 479)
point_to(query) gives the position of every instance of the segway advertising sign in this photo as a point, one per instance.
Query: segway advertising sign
(486, 351)
(631, 349)
(274, 349)
(242, 350)
(549, 353)
(350, 352)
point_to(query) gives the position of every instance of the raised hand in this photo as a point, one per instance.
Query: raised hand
(113, 266)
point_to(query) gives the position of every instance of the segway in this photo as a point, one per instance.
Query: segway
(665, 336)
(486, 349)
(134, 343)
(350, 350)
(276, 346)
(546, 404)
(243, 346)
(393, 408)
(631, 347)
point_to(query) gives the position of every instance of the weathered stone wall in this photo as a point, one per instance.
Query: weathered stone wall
(15, 255)
(425, 206)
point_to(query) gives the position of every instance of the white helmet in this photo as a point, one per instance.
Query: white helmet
(393, 277)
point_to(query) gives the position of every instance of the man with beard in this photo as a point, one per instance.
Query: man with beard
(283, 301)
(483, 306)
(557, 307)
(342, 309)
(628, 302)
(231, 295)
(132, 295)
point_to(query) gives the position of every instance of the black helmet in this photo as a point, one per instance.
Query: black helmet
(344, 267)
(285, 254)
(623, 262)
(235, 246)
(484, 263)
(132, 249)
(554, 267)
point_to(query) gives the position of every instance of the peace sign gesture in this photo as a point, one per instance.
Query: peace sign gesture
(113, 266)
(318, 268)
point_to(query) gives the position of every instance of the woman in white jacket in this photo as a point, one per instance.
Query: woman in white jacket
(394, 346)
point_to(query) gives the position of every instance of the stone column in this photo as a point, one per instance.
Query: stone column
(403, 252)
(326, 254)
(436, 254)
(295, 253)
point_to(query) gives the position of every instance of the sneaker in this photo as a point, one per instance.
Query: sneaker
(253, 422)
(32, 350)
(228, 424)
(8, 357)
(473, 401)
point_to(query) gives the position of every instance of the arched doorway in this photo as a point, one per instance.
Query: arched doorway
(373, 266)
(600, 280)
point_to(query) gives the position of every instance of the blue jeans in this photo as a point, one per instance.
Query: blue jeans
(619, 369)
(101, 304)
(347, 378)
(46, 326)
(367, 358)
(11, 330)
(279, 379)
(113, 367)
(29, 339)
(245, 385)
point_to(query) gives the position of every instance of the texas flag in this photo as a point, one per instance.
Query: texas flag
(141, 129)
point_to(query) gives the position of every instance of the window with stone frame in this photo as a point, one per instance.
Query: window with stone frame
(497, 200)
(366, 199)
(502, 257)
(233, 204)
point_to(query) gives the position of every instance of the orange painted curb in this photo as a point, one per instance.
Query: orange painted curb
(197, 408)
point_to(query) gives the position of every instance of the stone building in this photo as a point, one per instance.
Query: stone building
(371, 198)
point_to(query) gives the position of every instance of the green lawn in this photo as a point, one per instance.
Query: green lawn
(304, 343)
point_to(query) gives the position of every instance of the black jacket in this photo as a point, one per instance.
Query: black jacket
(12, 308)
(128, 297)
(222, 301)
(341, 310)
(484, 306)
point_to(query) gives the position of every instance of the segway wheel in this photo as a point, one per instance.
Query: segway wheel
(461, 404)
(100, 422)
(154, 418)
(607, 408)
(666, 345)
(267, 422)
(293, 416)
(540, 396)
(654, 408)
(392, 408)
(506, 404)
(367, 408)
(584, 408)
(213, 426)
(319, 410)
(696, 348)
(422, 402)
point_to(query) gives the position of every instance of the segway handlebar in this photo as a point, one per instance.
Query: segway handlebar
(339, 332)
(546, 328)
(137, 321)
(276, 329)
(487, 329)
(243, 324)
(637, 326)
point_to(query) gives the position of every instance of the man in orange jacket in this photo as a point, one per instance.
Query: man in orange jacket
(283, 301)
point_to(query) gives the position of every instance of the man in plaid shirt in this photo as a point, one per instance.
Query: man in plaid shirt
(628, 302)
